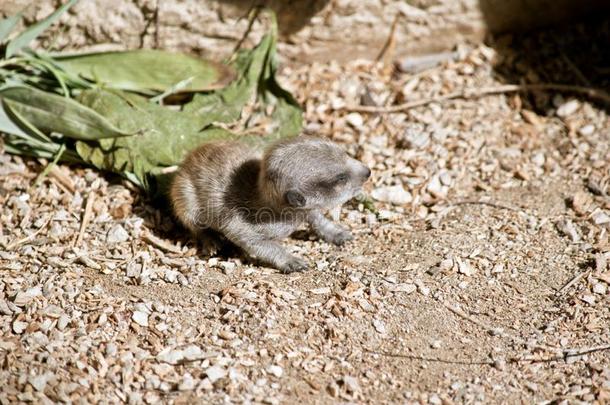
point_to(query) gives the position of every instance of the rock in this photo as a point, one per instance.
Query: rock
(63, 321)
(277, 371)
(404, 287)
(567, 227)
(581, 202)
(351, 384)
(215, 373)
(187, 383)
(435, 188)
(117, 234)
(600, 217)
(170, 355)
(355, 120)
(589, 299)
(587, 130)
(568, 108)
(599, 288)
(414, 138)
(465, 268)
(24, 297)
(227, 267)
(396, 195)
(193, 352)
(379, 326)
(39, 382)
(141, 318)
(321, 291)
(19, 327)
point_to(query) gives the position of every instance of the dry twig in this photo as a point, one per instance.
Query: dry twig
(482, 92)
(572, 281)
(86, 219)
(28, 238)
(160, 243)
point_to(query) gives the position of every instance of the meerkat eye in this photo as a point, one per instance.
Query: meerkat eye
(341, 178)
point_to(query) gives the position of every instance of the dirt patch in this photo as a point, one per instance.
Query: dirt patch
(488, 282)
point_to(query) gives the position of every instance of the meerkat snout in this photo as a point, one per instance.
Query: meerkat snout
(255, 199)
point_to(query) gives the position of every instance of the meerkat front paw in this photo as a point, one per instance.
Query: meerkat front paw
(339, 237)
(294, 265)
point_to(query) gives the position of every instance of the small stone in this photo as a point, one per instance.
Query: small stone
(589, 299)
(396, 195)
(600, 217)
(215, 373)
(435, 400)
(436, 344)
(435, 188)
(538, 159)
(500, 364)
(465, 268)
(568, 108)
(39, 382)
(351, 384)
(320, 291)
(379, 326)
(227, 267)
(581, 202)
(599, 288)
(275, 370)
(63, 321)
(423, 290)
(193, 352)
(404, 287)
(587, 130)
(355, 120)
(187, 383)
(498, 268)
(568, 228)
(170, 356)
(141, 318)
(117, 234)
(25, 297)
(19, 327)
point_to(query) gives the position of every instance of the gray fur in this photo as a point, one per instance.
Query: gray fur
(256, 200)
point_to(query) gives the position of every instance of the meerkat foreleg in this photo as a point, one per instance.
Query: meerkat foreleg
(266, 250)
(327, 229)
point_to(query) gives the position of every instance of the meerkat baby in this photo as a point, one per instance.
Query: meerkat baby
(255, 198)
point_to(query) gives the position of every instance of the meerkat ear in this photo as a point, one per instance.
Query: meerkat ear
(294, 198)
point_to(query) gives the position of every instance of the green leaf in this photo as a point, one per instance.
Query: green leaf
(52, 113)
(147, 70)
(165, 135)
(24, 38)
(7, 24)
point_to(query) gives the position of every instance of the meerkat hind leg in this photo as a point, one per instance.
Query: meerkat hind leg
(267, 251)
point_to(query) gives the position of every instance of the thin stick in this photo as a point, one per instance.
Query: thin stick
(572, 281)
(50, 166)
(252, 14)
(388, 47)
(86, 219)
(29, 237)
(482, 92)
(489, 203)
(160, 243)
(567, 353)
(497, 331)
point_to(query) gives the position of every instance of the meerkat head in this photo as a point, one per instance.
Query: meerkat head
(311, 173)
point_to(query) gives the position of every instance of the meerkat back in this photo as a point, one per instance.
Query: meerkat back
(199, 187)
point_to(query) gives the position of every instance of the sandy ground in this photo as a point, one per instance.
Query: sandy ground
(482, 278)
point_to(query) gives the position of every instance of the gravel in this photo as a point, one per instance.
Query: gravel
(485, 261)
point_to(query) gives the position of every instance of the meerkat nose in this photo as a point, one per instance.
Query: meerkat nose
(367, 172)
